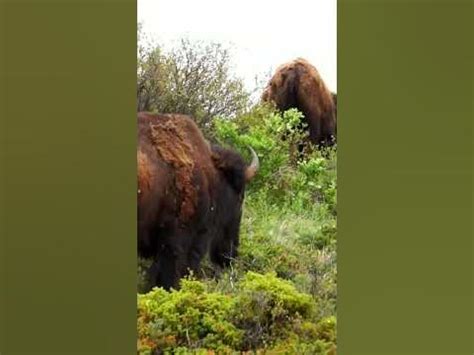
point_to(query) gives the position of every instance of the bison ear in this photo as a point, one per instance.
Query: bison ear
(231, 169)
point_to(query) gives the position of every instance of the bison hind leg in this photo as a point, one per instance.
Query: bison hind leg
(165, 270)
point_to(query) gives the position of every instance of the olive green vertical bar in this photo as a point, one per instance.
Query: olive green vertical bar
(68, 262)
(405, 72)
(2, 180)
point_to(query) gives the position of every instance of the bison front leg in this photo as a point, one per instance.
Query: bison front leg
(222, 253)
(224, 249)
(197, 252)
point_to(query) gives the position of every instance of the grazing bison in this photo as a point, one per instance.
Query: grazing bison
(334, 99)
(190, 197)
(297, 84)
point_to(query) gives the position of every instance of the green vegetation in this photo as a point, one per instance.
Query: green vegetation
(193, 78)
(279, 295)
(263, 312)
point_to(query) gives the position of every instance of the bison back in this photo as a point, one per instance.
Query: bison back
(175, 173)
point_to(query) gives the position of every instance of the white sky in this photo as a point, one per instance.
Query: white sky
(264, 33)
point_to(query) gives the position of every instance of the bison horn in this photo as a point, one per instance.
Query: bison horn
(253, 167)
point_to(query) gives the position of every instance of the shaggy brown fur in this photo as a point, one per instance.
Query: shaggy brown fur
(297, 84)
(172, 140)
(144, 173)
(189, 197)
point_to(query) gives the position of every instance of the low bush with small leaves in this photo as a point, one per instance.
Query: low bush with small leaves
(191, 318)
(261, 313)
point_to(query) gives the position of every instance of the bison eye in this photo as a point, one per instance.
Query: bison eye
(139, 191)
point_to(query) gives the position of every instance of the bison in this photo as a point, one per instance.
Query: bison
(297, 84)
(334, 99)
(190, 196)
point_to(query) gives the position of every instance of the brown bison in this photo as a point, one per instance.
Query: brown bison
(334, 99)
(297, 84)
(190, 196)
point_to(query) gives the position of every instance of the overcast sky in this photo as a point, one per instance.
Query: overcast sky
(264, 33)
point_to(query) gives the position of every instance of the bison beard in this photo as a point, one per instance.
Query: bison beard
(190, 197)
(297, 84)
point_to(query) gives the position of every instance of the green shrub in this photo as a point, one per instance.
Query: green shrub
(191, 318)
(192, 77)
(267, 308)
(262, 312)
(313, 339)
(284, 180)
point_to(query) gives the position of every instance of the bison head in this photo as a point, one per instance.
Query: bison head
(282, 89)
(234, 175)
(297, 84)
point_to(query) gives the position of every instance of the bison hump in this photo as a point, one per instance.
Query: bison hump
(178, 144)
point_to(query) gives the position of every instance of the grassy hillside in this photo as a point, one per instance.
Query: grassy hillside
(279, 295)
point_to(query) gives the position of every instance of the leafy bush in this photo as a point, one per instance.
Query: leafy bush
(191, 318)
(269, 308)
(285, 179)
(263, 312)
(192, 78)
